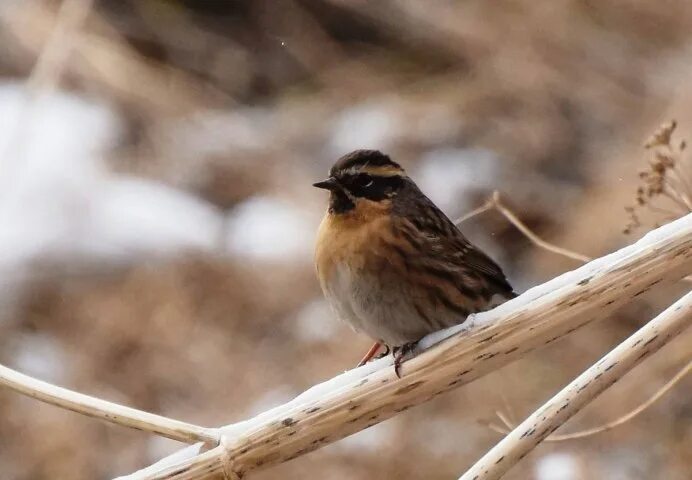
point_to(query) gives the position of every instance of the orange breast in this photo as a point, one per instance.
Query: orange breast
(349, 238)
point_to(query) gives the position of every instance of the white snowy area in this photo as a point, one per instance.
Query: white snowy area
(558, 466)
(447, 174)
(372, 124)
(59, 201)
(264, 228)
(315, 322)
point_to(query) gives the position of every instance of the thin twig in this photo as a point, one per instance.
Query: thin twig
(104, 410)
(514, 220)
(683, 179)
(571, 399)
(488, 205)
(47, 70)
(662, 211)
(675, 197)
(607, 426)
(53, 58)
(494, 202)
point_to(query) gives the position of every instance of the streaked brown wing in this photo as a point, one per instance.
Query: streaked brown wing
(445, 251)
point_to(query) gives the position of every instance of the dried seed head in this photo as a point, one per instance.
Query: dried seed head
(663, 187)
(662, 136)
(665, 159)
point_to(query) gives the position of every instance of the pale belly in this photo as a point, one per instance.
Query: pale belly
(383, 306)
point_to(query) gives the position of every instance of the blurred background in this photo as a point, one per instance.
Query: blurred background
(156, 161)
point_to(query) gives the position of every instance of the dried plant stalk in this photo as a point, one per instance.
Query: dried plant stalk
(495, 203)
(582, 390)
(49, 66)
(110, 412)
(509, 426)
(106, 61)
(365, 396)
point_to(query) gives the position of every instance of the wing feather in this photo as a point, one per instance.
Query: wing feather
(446, 251)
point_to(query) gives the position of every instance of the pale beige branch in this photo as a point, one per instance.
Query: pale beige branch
(495, 203)
(509, 426)
(488, 205)
(59, 44)
(105, 61)
(582, 390)
(368, 395)
(528, 233)
(104, 410)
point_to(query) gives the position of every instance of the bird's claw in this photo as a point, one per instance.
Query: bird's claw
(399, 354)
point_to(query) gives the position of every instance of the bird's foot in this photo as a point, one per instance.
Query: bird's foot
(400, 353)
(386, 352)
(371, 353)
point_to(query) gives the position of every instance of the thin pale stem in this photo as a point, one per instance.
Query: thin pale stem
(684, 179)
(514, 220)
(662, 211)
(686, 188)
(53, 58)
(104, 410)
(488, 205)
(509, 426)
(494, 203)
(582, 390)
(675, 197)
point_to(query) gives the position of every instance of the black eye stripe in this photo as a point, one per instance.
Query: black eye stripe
(371, 186)
(363, 180)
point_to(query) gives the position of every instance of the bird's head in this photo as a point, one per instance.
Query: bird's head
(360, 177)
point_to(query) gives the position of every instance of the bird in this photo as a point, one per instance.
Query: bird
(391, 263)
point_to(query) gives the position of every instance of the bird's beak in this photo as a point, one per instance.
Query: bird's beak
(328, 184)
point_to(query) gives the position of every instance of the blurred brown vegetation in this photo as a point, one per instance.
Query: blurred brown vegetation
(231, 100)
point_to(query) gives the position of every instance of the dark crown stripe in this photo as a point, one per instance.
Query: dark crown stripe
(359, 158)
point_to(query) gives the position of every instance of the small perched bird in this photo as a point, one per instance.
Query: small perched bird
(393, 265)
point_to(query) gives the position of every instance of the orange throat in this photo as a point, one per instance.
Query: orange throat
(347, 237)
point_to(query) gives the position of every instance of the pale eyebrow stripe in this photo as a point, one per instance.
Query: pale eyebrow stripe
(386, 171)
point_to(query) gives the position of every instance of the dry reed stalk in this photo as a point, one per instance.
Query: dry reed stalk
(104, 410)
(571, 399)
(509, 426)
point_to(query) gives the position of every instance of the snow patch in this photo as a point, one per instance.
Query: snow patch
(216, 132)
(558, 466)
(62, 201)
(315, 322)
(446, 175)
(132, 217)
(264, 228)
(271, 399)
(40, 356)
(368, 441)
(366, 125)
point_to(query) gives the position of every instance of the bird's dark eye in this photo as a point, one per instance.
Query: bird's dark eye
(364, 180)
